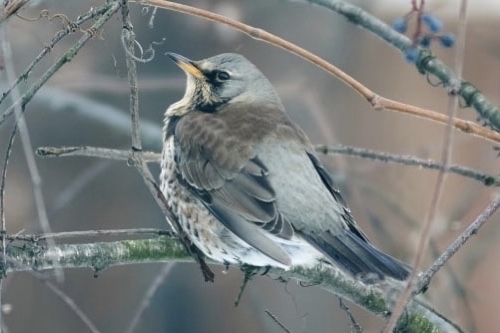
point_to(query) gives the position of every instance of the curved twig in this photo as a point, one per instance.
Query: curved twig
(376, 101)
(426, 62)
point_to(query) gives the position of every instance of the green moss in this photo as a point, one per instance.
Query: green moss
(415, 323)
(162, 248)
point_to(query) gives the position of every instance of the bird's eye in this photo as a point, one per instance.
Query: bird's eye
(222, 76)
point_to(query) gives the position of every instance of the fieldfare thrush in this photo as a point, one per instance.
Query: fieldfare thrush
(245, 182)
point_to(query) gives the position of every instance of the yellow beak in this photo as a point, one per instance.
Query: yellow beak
(186, 65)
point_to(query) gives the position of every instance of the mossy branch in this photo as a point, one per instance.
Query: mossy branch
(98, 256)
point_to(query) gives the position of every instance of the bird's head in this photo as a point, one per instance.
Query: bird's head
(224, 79)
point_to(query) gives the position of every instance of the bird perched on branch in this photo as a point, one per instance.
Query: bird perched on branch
(244, 180)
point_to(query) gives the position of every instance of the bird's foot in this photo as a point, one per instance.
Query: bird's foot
(226, 265)
(198, 256)
(248, 273)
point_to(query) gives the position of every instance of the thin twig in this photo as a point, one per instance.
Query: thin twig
(376, 101)
(457, 285)
(9, 8)
(128, 36)
(112, 154)
(354, 323)
(486, 179)
(277, 321)
(28, 153)
(2, 199)
(67, 57)
(471, 230)
(149, 181)
(426, 62)
(73, 306)
(91, 233)
(447, 150)
(20, 103)
(464, 126)
(394, 205)
(70, 28)
(3, 271)
(152, 18)
(146, 300)
(137, 159)
(152, 157)
(60, 101)
(73, 189)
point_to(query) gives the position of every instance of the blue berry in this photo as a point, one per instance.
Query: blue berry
(425, 41)
(400, 25)
(447, 40)
(411, 55)
(433, 23)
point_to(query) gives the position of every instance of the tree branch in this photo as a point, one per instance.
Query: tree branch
(471, 230)
(446, 155)
(376, 101)
(152, 157)
(426, 64)
(112, 154)
(101, 255)
(486, 179)
(70, 28)
(111, 9)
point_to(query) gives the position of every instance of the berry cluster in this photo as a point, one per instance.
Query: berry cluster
(423, 37)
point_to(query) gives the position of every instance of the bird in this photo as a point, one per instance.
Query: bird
(245, 183)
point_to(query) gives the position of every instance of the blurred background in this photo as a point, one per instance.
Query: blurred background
(86, 103)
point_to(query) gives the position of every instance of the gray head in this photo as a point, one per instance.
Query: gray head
(226, 78)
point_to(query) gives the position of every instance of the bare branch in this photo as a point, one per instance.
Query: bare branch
(486, 179)
(160, 278)
(128, 36)
(99, 256)
(376, 101)
(136, 156)
(426, 64)
(355, 327)
(473, 228)
(36, 180)
(73, 306)
(70, 28)
(3, 271)
(9, 8)
(446, 155)
(112, 154)
(91, 233)
(277, 321)
(152, 157)
(67, 57)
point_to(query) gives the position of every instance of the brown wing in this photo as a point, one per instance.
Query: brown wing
(224, 173)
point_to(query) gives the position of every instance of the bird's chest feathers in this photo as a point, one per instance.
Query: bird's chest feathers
(245, 123)
(168, 164)
(229, 137)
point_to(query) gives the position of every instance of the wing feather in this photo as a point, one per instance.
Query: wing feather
(232, 183)
(223, 158)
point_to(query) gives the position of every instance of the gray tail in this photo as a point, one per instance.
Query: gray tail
(357, 256)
